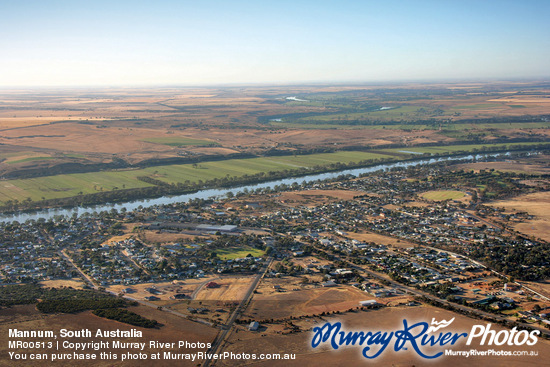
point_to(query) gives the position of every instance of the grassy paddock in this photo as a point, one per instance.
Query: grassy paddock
(395, 113)
(30, 159)
(458, 148)
(233, 253)
(69, 185)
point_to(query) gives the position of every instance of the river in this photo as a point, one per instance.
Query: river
(205, 194)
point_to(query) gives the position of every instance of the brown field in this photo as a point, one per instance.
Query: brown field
(511, 166)
(230, 289)
(173, 329)
(536, 204)
(76, 283)
(97, 124)
(166, 289)
(270, 340)
(542, 287)
(309, 300)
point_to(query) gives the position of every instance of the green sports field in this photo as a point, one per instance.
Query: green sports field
(443, 195)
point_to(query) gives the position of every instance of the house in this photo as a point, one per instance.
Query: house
(180, 296)
(371, 303)
(152, 290)
(254, 325)
(509, 287)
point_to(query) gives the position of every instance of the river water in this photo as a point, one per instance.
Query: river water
(205, 194)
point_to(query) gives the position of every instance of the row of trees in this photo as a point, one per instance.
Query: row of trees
(125, 316)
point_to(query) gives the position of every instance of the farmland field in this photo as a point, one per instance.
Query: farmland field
(180, 141)
(417, 126)
(59, 186)
(71, 185)
(457, 148)
(535, 204)
(54, 136)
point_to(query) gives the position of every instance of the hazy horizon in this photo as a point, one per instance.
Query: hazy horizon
(214, 43)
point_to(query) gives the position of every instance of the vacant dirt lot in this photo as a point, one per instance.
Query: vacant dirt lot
(380, 239)
(74, 283)
(542, 287)
(228, 289)
(292, 299)
(536, 204)
(161, 290)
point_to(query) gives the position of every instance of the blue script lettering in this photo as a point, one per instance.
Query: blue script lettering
(414, 335)
(405, 335)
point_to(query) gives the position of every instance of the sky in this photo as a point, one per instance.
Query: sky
(162, 42)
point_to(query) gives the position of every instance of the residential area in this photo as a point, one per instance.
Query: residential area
(376, 238)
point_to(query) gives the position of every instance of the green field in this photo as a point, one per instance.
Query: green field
(443, 195)
(479, 106)
(457, 148)
(60, 186)
(177, 141)
(30, 159)
(395, 113)
(233, 253)
(344, 126)
(70, 185)
(458, 127)
(503, 125)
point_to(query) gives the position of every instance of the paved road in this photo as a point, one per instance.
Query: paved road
(456, 306)
(198, 289)
(226, 329)
(84, 276)
(92, 284)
